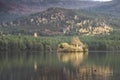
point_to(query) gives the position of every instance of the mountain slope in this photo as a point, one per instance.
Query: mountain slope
(26, 7)
(112, 7)
(58, 21)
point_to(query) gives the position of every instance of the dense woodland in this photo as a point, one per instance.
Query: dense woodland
(50, 43)
(60, 21)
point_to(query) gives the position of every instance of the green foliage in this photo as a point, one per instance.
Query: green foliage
(30, 43)
(103, 42)
(58, 21)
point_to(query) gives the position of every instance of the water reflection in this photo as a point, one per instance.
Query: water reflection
(60, 66)
(104, 71)
(35, 66)
(75, 58)
(84, 71)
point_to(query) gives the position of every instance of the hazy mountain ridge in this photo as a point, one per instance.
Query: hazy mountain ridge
(58, 21)
(112, 7)
(28, 5)
(12, 9)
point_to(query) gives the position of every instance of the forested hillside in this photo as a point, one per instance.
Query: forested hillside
(12, 9)
(59, 21)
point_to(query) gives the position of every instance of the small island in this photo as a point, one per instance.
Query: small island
(75, 46)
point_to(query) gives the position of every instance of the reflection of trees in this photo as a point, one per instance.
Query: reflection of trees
(102, 70)
(82, 72)
(74, 58)
(53, 67)
(95, 72)
(58, 73)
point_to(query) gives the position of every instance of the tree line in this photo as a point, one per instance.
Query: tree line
(44, 43)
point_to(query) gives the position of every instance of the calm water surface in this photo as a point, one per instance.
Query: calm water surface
(35, 65)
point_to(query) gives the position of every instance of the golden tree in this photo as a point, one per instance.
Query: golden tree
(76, 41)
(35, 35)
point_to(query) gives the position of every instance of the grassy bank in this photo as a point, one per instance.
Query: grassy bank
(30, 42)
(14, 42)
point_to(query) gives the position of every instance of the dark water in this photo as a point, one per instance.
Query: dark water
(30, 65)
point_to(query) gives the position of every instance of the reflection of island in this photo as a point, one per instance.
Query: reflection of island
(54, 67)
(74, 58)
(85, 71)
(92, 72)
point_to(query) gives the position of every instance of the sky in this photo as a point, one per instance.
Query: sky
(96, 0)
(85, 0)
(67, 0)
(102, 0)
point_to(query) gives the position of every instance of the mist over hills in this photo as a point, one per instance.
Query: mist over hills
(112, 7)
(32, 4)
(12, 9)
(62, 3)
(26, 7)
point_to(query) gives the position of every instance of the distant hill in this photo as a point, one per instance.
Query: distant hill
(112, 7)
(58, 21)
(16, 8)
(12, 9)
